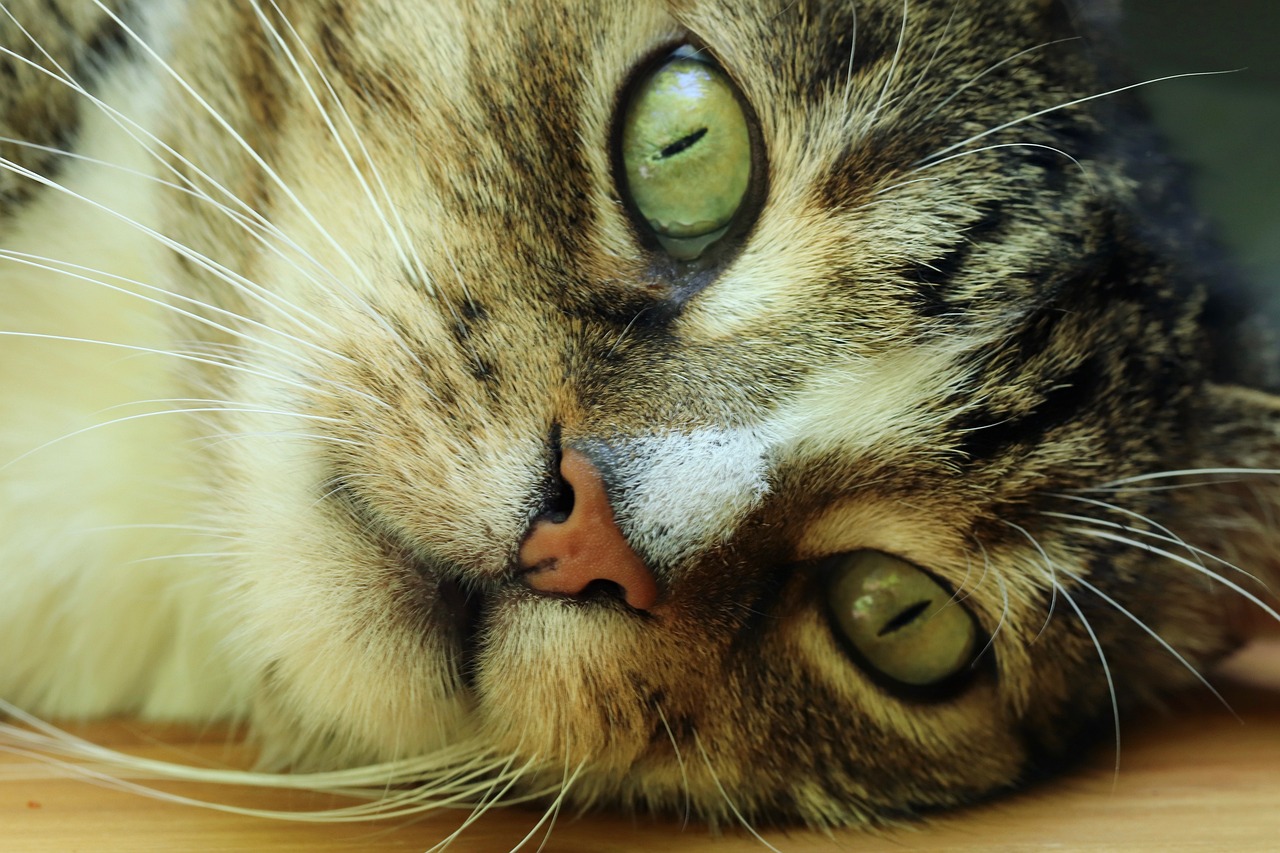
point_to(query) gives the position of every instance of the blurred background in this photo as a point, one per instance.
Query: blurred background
(1227, 126)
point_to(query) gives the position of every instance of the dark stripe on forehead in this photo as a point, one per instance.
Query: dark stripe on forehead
(987, 434)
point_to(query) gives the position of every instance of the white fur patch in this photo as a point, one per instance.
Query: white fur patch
(682, 492)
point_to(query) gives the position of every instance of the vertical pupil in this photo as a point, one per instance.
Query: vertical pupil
(904, 618)
(683, 144)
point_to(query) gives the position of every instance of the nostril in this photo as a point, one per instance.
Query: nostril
(558, 497)
(600, 588)
(558, 505)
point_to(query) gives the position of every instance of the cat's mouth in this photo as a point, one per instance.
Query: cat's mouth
(466, 608)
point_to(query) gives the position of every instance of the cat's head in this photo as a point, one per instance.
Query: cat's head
(844, 315)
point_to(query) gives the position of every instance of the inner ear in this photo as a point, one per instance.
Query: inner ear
(1233, 509)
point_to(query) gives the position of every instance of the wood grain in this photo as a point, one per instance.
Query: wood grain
(1191, 778)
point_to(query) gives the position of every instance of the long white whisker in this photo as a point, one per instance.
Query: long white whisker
(1053, 595)
(974, 151)
(408, 259)
(553, 811)
(89, 275)
(1189, 472)
(235, 136)
(1004, 596)
(135, 131)
(252, 222)
(485, 802)
(1144, 546)
(234, 279)
(457, 773)
(684, 775)
(715, 778)
(967, 84)
(184, 356)
(1066, 105)
(408, 256)
(939, 40)
(1154, 635)
(853, 45)
(1106, 669)
(145, 415)
(893, 64)
(1172, 540)
(1131, 514)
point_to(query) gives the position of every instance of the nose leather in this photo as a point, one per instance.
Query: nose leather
(565, 557)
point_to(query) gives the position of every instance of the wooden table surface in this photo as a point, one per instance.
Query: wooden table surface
(1194, 778)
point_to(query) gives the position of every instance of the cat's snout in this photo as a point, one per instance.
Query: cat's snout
(585, 548)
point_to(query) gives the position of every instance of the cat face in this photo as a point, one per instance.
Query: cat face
(922, 325)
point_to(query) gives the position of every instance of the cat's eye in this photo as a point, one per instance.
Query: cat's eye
(686, 152)
(899, 620)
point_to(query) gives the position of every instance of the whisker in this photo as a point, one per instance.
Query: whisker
(853, 43)
(145, 415)
(974, 151)
(235, 136)
(220, 271)
(684, 775)
(134, 130)
(1004, 597)
(1227, 582)
(1154, 635)
(251, 221)
(893, 65)
(183, 356)
(715, 778)
(1106, 669)
(81, 273)
(408, 257)
(1053, 595)
(939, 41)
(1065, 105)
(1173, 540)
(1189, 472)
(553, 811)
(971, 81)
(1131, 514)
(449, 778)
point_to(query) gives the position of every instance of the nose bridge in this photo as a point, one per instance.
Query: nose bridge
(566, 556)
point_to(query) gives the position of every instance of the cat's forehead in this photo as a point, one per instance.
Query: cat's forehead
(509, 114)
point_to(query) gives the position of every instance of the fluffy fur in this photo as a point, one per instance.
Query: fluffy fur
(301, 301)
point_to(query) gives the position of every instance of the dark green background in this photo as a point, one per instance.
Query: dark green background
(1227, 126)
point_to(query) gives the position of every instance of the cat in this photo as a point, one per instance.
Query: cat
(810, 411)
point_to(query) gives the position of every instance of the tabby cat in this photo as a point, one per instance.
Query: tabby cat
(811, 410)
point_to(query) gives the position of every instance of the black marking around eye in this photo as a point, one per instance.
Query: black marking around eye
(683, 144)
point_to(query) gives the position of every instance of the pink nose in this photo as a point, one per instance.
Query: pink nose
(566, 557)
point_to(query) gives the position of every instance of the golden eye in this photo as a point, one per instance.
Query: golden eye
(900, 620)
(686, 153)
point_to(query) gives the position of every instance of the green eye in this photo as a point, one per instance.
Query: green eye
(901, 621)
(686, 153)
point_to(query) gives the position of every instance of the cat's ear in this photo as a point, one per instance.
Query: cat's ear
(1233, 502)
